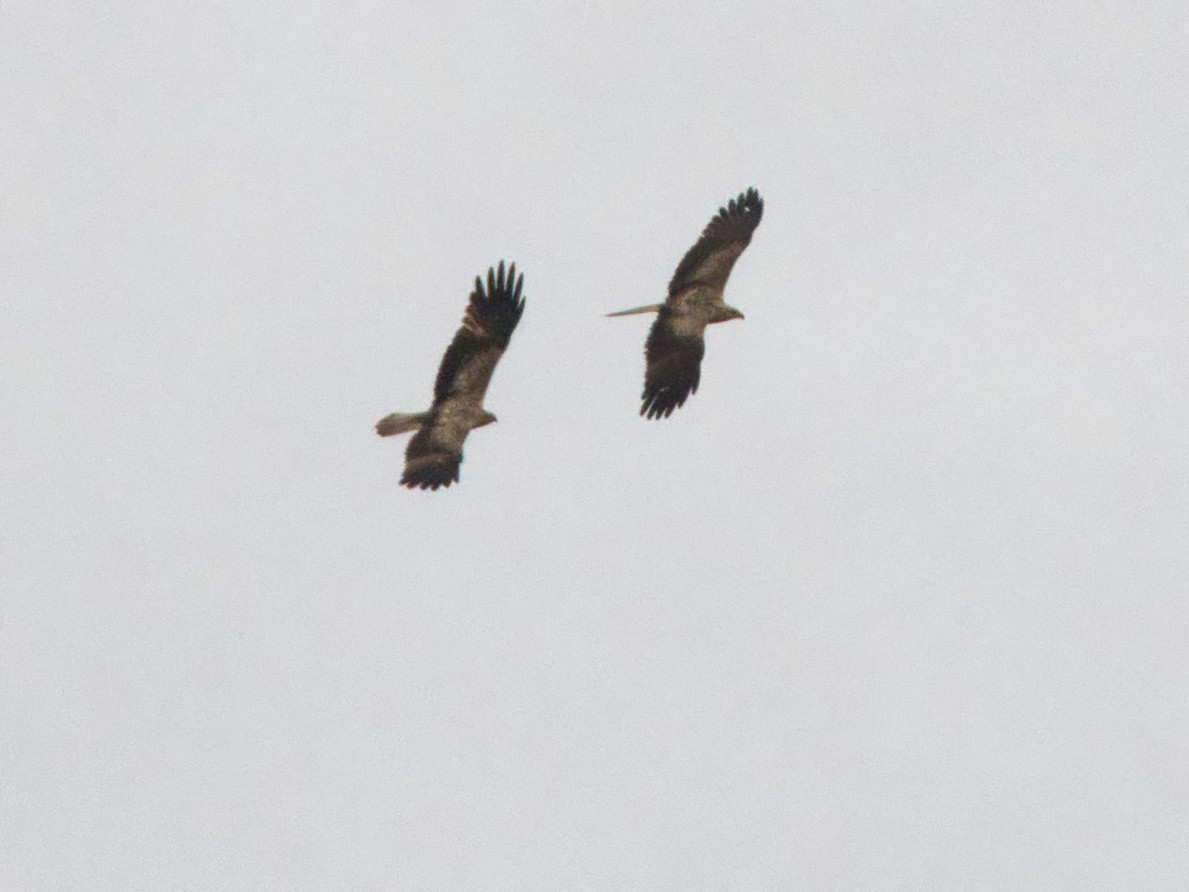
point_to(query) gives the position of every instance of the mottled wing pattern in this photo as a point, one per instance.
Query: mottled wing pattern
(709, 262)
(674, 361)
(491, 317)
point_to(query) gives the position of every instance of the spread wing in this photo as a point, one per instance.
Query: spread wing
(673, 360)
(435, 452)
(490, 319)
(709, 262)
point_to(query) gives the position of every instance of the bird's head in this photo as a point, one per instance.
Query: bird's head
(485, 418)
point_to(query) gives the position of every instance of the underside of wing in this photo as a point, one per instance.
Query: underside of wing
(673, 365)
(491, 317)
(709, 262)
(432, 459)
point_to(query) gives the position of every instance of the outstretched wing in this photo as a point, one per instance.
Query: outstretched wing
(490, 319)
(709, 262)
(673, 361)
(434, 453)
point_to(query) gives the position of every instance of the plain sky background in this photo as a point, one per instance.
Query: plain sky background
(898, 601)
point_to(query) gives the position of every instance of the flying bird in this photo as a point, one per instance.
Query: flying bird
(435, 452)
(673, 352)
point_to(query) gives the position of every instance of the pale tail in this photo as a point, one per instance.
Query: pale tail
(651, 308)
(400, 423)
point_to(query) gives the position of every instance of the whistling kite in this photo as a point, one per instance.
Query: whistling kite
(674, 348)
(435, 453)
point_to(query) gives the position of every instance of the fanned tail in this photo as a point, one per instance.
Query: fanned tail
(400, 423)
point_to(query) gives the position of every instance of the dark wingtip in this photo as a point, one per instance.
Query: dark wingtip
(657, 412)
(512, 284)
(747, 201)
(502, 278)
(661, 404)
(430, 478)
(747, 205)
(426, 483)
(498, 308)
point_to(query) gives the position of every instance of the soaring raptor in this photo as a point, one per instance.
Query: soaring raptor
(435, 451)
(675, 346)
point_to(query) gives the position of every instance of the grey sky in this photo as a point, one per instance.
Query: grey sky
(897, 601)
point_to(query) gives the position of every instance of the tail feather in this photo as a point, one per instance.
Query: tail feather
(651, 308)
(400, 423)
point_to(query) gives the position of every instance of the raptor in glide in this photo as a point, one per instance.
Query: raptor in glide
(435, 451)
(673, 352)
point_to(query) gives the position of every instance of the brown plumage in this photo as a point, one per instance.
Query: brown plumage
(435, 452)
(675, 345)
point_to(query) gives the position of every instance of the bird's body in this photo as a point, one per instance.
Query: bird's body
(435, 452)
(675, 345)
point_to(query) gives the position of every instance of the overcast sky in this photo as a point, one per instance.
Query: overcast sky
(898, 600)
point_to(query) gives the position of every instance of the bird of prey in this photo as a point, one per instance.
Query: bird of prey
(675, 346)
(435, 452)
